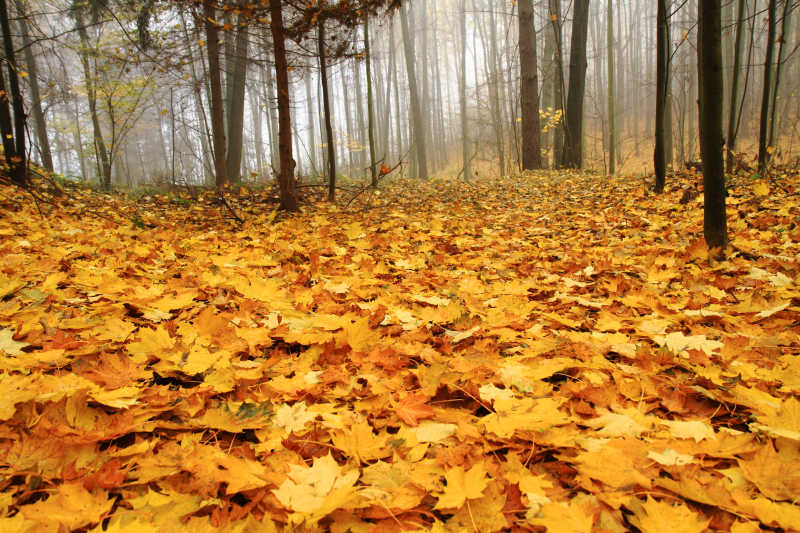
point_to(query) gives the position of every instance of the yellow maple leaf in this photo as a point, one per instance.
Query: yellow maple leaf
(462, 485)
(294, 418)
(656, 516)
(689, 429)
(563, 517)
(360, 442)
(152, 344)
(70, 507)
(317, 490)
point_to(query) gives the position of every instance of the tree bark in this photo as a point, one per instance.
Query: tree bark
(236, 80)
(286, 180)
(312, 140)
(711, 89)
(418, 128)
(559, 86)
(662, 55)
(33, 82)
(573, 137)
(785, 26)
(13, 143)
(323, 73)
(103, 157)
(494, 90)
(462, 19)
(763, 152)
(529, 80)
(734, 92)
(215, 88)
(370, 111)
(612, 126)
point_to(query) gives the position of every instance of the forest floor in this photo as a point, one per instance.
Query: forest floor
(547, 351)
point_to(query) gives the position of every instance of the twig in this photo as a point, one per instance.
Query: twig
(368, 187)
(383, 175)
(224, 201)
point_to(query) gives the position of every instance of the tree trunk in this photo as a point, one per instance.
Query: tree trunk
(272, 121)
(420, 15)
(785, 26)
(734, 92)
(203, 133)
(494, 87)
(559, 86)
(13, 142)
(763, 152)
(360, 123)
(462, 17)
(286, 180)
(612, 119)
(529, 81)
(236, 82)
(418, 128)
(662, 54)
(258, 132)
(347, 146)
(215, 87)
(33, 82)
(103, 157)
(668, 91)
(78, 140)
(711, 96)
(573, 137)
(323, 73)
(370, 111)
(398, 127)
(312, 141)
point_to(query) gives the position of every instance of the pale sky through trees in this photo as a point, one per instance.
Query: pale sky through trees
(152, 102)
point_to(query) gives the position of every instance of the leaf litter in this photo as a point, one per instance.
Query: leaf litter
(545, 352)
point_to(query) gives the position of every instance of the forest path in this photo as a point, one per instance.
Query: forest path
(546, 350)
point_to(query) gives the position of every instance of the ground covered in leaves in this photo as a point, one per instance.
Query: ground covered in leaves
(542, 352)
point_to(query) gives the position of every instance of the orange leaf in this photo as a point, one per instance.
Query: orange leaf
(414, 408)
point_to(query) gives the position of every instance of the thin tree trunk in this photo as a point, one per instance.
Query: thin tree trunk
(348, 145)
(418, 128)
(13, 137)
(215, 87)
(33, 82)
(420, 14)
(323, 74)
(785, 26)
(462, 17)
(398, 127)
(612, 121)
(78, 140)
(236, 81)
(272, 120)
(286, 178)
(370, 111)
(734, 92)
(494, 88)
(662, 52)
(104, 160)
(360, 122)
(204, 130)
(668, 91)
(559, 86)
(763, 153)
(573, 138)
(711, 89)
(258, 132)
(529, 81)
(312, 141)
